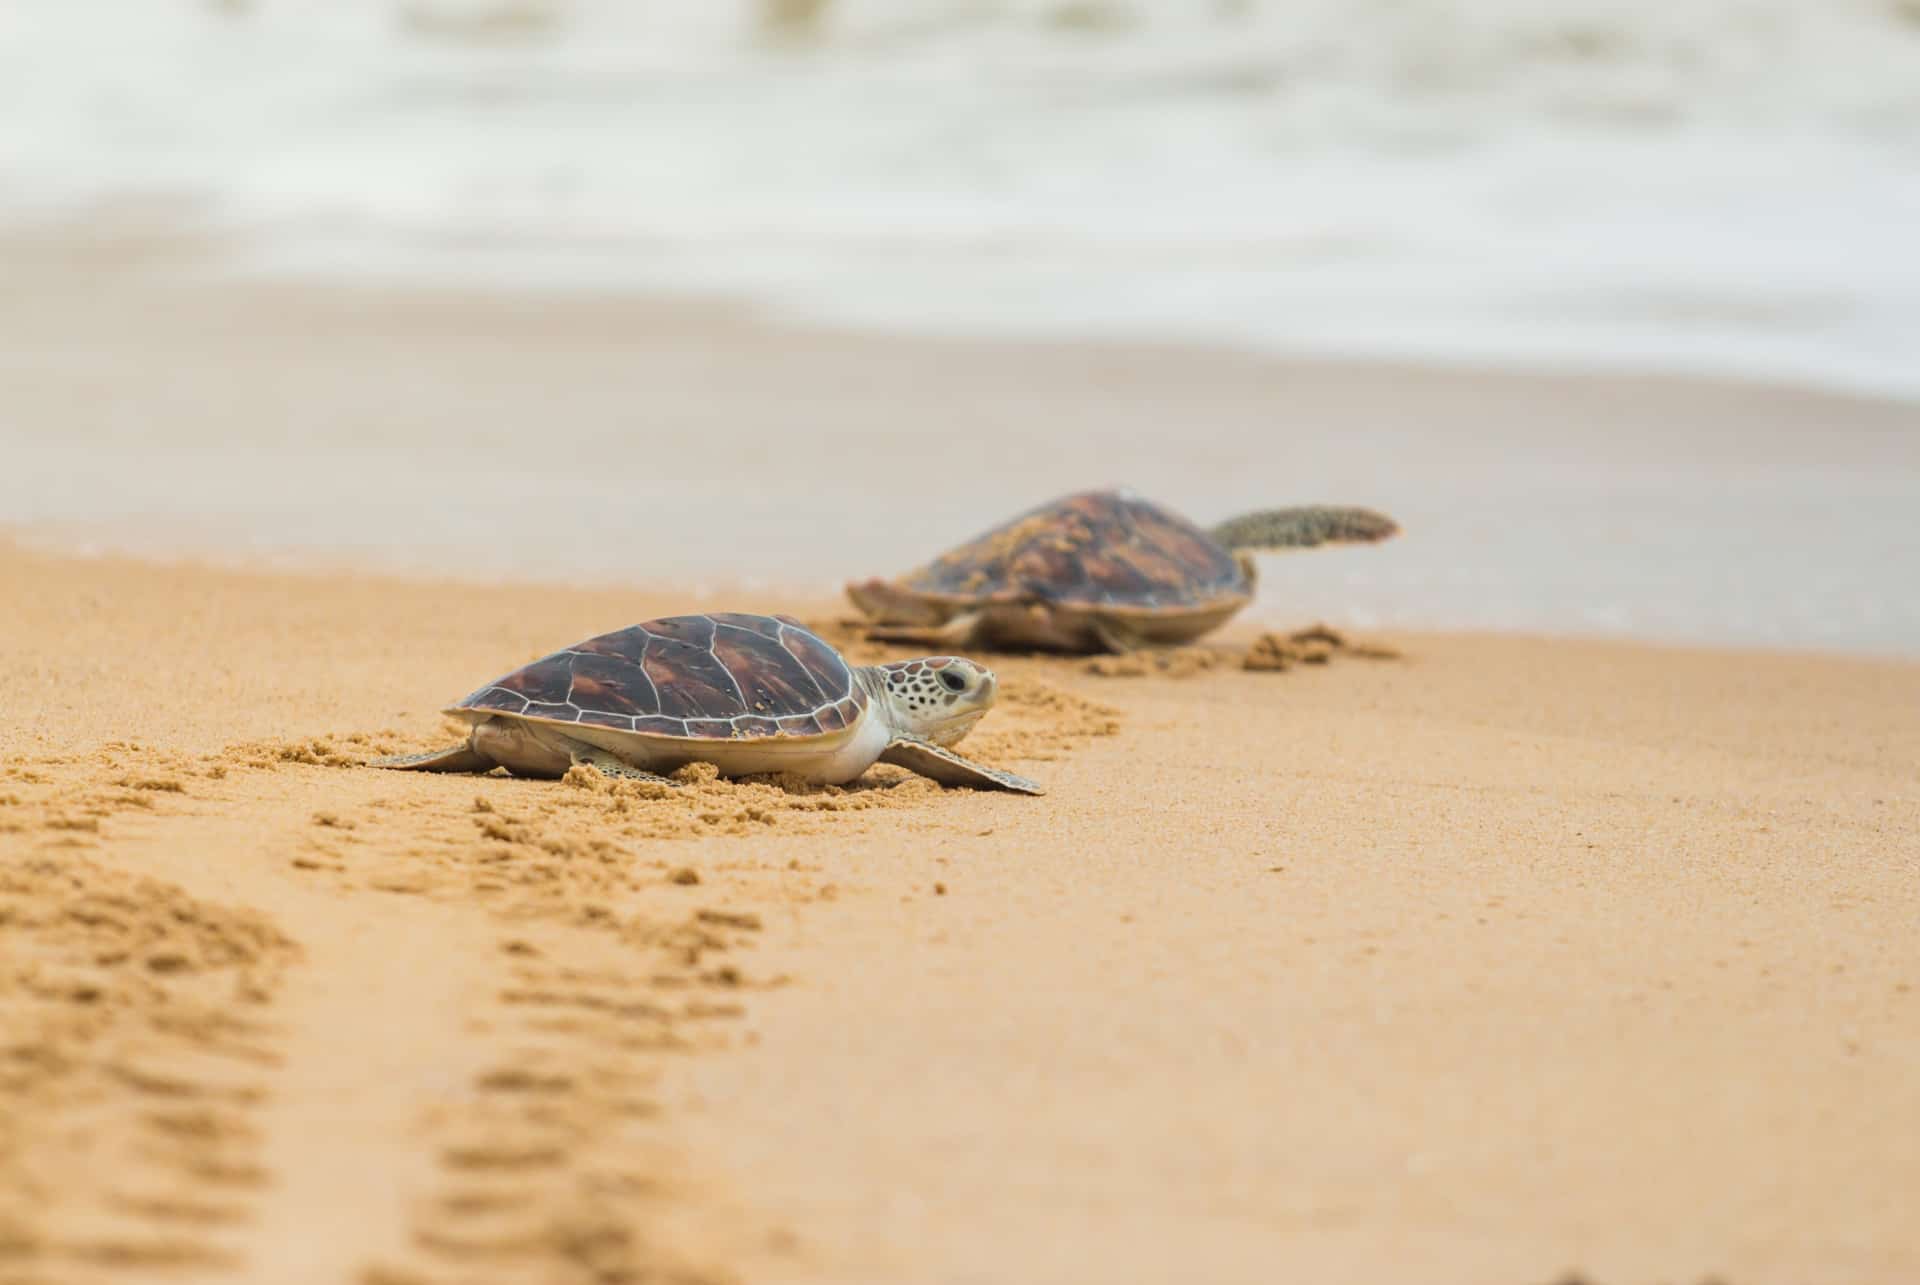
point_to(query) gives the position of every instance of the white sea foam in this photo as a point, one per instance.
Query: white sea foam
(1713, 185)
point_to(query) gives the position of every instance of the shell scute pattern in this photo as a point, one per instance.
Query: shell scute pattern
(535, 681)
(603, 682)
(724, 676)
(1099, 548)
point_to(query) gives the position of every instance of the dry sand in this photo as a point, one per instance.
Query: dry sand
(1503, 959)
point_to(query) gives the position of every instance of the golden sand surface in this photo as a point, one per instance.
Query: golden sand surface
(1476, 960)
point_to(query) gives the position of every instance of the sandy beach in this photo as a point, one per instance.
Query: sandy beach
(1507, 958)
(1528, 899)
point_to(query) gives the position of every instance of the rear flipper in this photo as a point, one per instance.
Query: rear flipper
(948, 768)
(454, 758)
(608, 765)
(1305, 526)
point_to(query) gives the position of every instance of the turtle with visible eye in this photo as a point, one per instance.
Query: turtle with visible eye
(1099, 571)
(748, 694)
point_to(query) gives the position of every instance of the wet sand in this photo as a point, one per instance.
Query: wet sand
(1507, 958)
(154, 406)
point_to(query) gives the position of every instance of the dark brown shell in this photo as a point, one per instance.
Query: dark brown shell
(724, 676)
(1101, 548)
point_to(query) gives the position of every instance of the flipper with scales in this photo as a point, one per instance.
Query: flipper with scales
(1305, 526)
(610, 765)
(452, 758)
(943, 765)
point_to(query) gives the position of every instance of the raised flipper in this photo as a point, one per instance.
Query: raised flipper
(1305, 526)
(948, 768)
(454, 758)
(608, 765)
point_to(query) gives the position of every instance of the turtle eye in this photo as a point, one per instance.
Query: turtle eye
(952, 681)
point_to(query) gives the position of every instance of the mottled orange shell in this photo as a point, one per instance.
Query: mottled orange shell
(724, 676)
(1108, 549)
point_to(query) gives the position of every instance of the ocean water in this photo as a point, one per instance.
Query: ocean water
(1727, 186)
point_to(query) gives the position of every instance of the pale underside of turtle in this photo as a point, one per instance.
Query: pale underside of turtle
(749, 694)
(1098, 571)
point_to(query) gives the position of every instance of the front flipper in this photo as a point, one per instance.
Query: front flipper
(608, 765)
(1116, 636)
(454, 758)
(960, 632)
(948, 768)
(886, 603)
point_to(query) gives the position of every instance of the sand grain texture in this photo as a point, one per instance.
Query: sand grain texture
(492, 975)
(1505, 958)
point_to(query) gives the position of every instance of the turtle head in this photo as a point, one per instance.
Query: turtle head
(937, 698)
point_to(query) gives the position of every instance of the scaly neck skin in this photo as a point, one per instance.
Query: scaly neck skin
(874, 679)
(899, 721)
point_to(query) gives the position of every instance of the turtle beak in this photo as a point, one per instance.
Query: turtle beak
(989, 687)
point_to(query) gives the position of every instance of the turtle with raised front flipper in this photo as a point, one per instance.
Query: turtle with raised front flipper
(748, 694)
(1099, 571)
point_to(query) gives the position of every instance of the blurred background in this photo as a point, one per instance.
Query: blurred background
(1718, 188)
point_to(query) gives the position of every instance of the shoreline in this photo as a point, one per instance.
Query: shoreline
(619, 439)
(820, 604)
(160, 242)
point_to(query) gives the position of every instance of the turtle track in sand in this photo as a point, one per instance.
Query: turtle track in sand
(138, 1037)
(265, 1015)
(451, 1033)
(188, 1090)
(501, 1128)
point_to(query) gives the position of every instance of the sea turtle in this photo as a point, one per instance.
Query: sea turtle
(1098, 571)
(749, 694)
